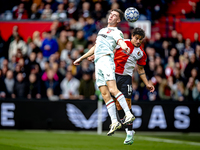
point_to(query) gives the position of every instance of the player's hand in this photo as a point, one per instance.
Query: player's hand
(127, 51)
(91, 58)
(150, 87)
(77, 62)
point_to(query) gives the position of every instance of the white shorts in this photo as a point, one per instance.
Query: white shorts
(104, 70)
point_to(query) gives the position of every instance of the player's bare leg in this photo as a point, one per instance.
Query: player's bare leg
(129, 117)
(129, 127)
(110, 104)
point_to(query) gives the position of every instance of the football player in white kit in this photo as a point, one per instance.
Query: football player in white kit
(107, 39)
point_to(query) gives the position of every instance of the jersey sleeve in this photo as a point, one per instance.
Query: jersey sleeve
(142, 60)
(118, 35)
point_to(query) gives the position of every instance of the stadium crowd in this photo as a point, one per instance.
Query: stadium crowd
(42, 66)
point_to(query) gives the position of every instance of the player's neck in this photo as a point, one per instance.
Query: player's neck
(112, 25)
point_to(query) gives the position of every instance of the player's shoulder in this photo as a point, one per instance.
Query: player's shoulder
(143, 51)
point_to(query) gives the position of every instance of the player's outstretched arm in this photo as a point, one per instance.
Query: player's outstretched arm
(89, 53)
(124, 46)
(142, 75)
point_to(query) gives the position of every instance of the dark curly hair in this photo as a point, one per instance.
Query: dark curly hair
(138, 31)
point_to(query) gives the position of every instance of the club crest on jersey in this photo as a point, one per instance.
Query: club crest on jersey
(109, 31)
(138, 53)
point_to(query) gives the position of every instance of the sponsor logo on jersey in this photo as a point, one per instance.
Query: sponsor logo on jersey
(103, 35)
(138, 53)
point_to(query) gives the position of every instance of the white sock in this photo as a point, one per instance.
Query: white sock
(112, 110)
(129, 132)
(122, 101)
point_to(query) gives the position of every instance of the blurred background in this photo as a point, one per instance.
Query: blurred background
(40, 88)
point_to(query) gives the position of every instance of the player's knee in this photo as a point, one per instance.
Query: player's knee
(105, 95)
(113, 91)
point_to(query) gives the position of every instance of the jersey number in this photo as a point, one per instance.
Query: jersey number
(129, 89)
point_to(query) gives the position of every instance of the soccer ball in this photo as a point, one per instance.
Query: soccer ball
(131, 14)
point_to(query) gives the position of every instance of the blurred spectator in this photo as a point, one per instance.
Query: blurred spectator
(141, 8)
(32, 62)
(20, 87)
(135, 92)
(89, 28)
(192, 64)
(65, 54)
(178, 76)
(20, 12)
(4, 71)
(49, 46)
(180, 93)
(33, 87)
(16, 45)
(62, 68)
(85, 84)
(175, 54)
(13, 35)
(174, 38)
(196, 92)
(72, 10)
(194, 13)
(40, 60)
(9, 83)
(86, 66)
(188, 51)
(85, 10)
(180, 43)
(50, 95)
(170, 66)
(51, 82)
(35, 14)
(197, 50)
(80, 42)
(164, 51)
(190, 85)
(62, 41)
(47, 12)
(77, 25)
(69, 86)
(157, 44)
(196, 41)
(32, 47)
(2, 49)
(164, 90)
(60, 14)
(98, 13)
(150, 68)
(37, 39)
(2, 87)
(4, 64)
(12, 63)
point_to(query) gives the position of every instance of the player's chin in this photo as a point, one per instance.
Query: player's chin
(137, 45)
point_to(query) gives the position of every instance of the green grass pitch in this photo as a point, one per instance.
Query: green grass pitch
(68, 140)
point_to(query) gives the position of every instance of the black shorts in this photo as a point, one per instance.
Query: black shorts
(124, 84)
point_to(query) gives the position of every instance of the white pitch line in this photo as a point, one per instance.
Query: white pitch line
(162, 140)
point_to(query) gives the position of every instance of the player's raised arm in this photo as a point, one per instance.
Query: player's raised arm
(124, 46)
(89, 53)
(142, 75)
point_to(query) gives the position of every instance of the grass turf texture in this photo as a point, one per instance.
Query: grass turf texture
(57, 140)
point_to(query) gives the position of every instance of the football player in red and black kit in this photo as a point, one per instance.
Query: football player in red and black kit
(124, 66)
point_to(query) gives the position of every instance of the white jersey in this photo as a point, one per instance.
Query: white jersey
(106, 41)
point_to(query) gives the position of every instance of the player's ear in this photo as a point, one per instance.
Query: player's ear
(119, 20)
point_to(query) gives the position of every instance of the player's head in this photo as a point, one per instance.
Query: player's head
(137, 36)
(115, 16)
